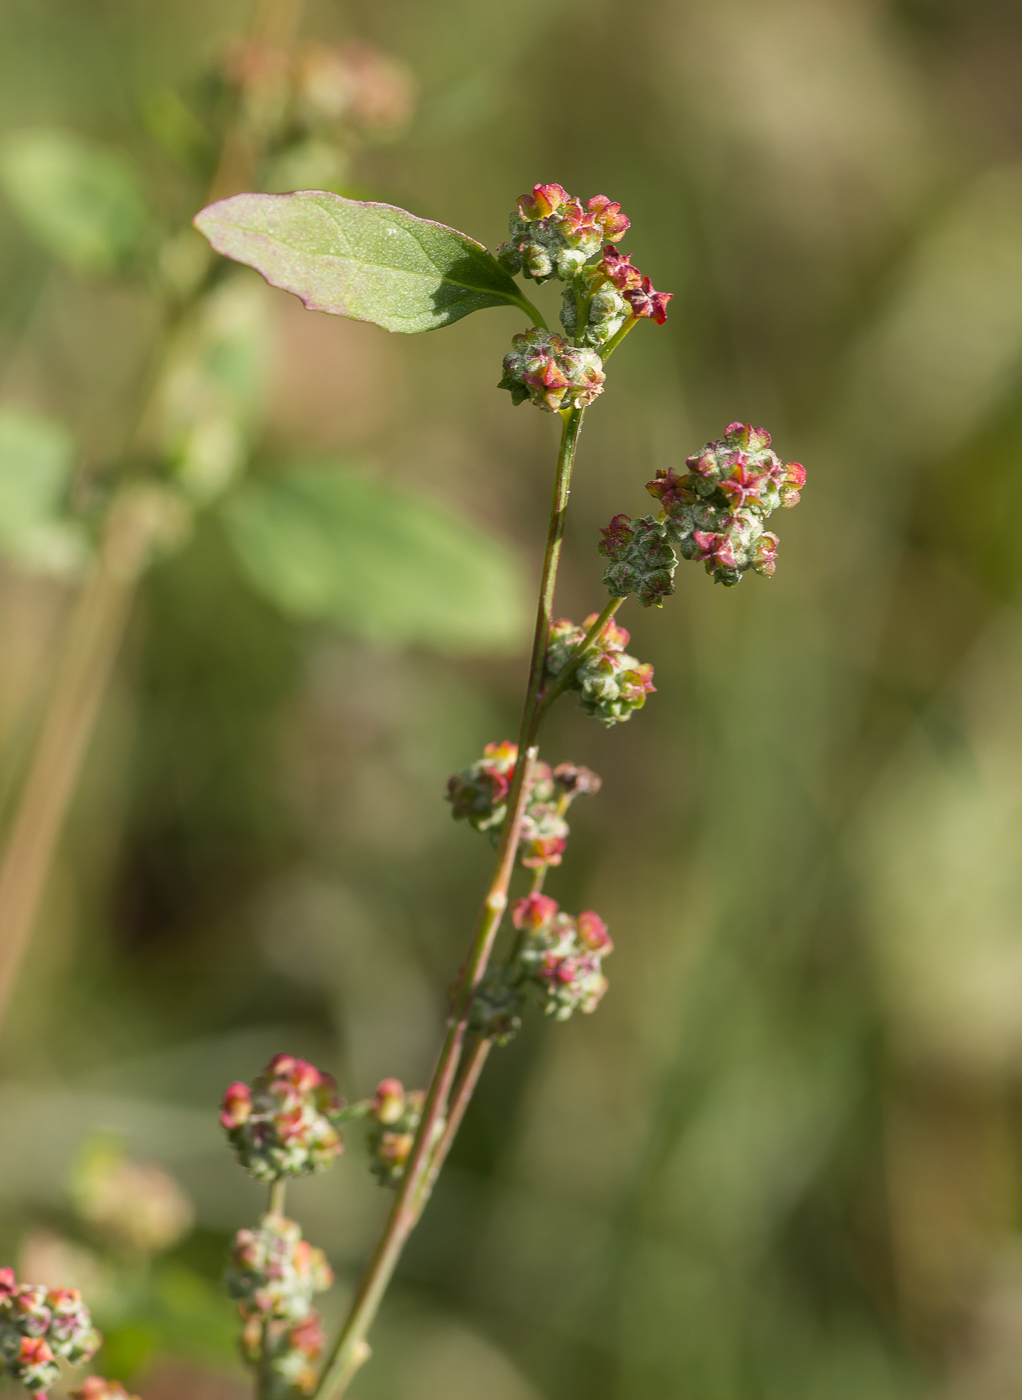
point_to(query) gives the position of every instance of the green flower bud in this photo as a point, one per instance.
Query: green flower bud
(641, 560)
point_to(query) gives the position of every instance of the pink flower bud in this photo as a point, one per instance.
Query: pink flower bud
(544, 201)
(592, 933)
(96, 1388)
(302, 1076)
(389, 1101)
(237, 1105)
(617, 268)
(308, 1337)
(8, 1284)
(533, 911)
(646, 301)
(34, 1350)
(608, 215)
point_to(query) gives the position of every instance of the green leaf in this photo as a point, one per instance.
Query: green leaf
(80, 202)
(36, 458)
(386, 563)
(354, 258)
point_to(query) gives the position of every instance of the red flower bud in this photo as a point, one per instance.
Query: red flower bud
(645, 301)
(533, 911)
(608, 215)
(617, 268)
(237, 1105)
(34, 1350)
(389, 1101)
(543, 201)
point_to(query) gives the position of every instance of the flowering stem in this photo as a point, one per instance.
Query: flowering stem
(437, 1128)
(278, 1193)
(580, 653)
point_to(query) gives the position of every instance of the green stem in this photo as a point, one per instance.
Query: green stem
(351, 1349)
(616, 340)
(533, 311)
(274, 1206)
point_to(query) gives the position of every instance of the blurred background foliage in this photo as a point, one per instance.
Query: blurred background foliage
(782, 1163)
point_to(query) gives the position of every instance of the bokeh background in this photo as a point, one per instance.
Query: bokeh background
(782, 1162)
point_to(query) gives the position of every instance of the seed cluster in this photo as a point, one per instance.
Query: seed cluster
(274, 1274)
(558, 959)
(38, 1325)
(610, 683)
(284, 1125)
(715, 512)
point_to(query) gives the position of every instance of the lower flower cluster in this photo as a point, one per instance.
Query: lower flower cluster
(38, 1325)
(479, 793)
(394, 1115)
(558, 959)
(610, 683)
(274, 1274)
(285, 1124)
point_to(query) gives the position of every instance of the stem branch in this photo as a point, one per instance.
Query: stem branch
(584, 648)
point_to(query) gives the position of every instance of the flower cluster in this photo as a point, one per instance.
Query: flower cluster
(273, 1272)
(292, 1349)
(38, 1325)
(479, 795)
(285, 1124)
(610, 683)
(543, 367)
(96, 1388)
(134, 1204)
(715, 512)
(636, 290)
(607, 294)
(641, 560)
(553, 235)
(558, 959)
(394, 1115)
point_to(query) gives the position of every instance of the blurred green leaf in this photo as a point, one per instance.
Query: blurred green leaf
(213, 386)
(80, 202)
(368, 261)
(36, 458)
(329, 542)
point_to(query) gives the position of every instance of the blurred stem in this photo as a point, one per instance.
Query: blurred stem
(274, 1206)
(437, 1127)
(95, 628)
(93, 638)
(464, 1087)
(274, 26)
